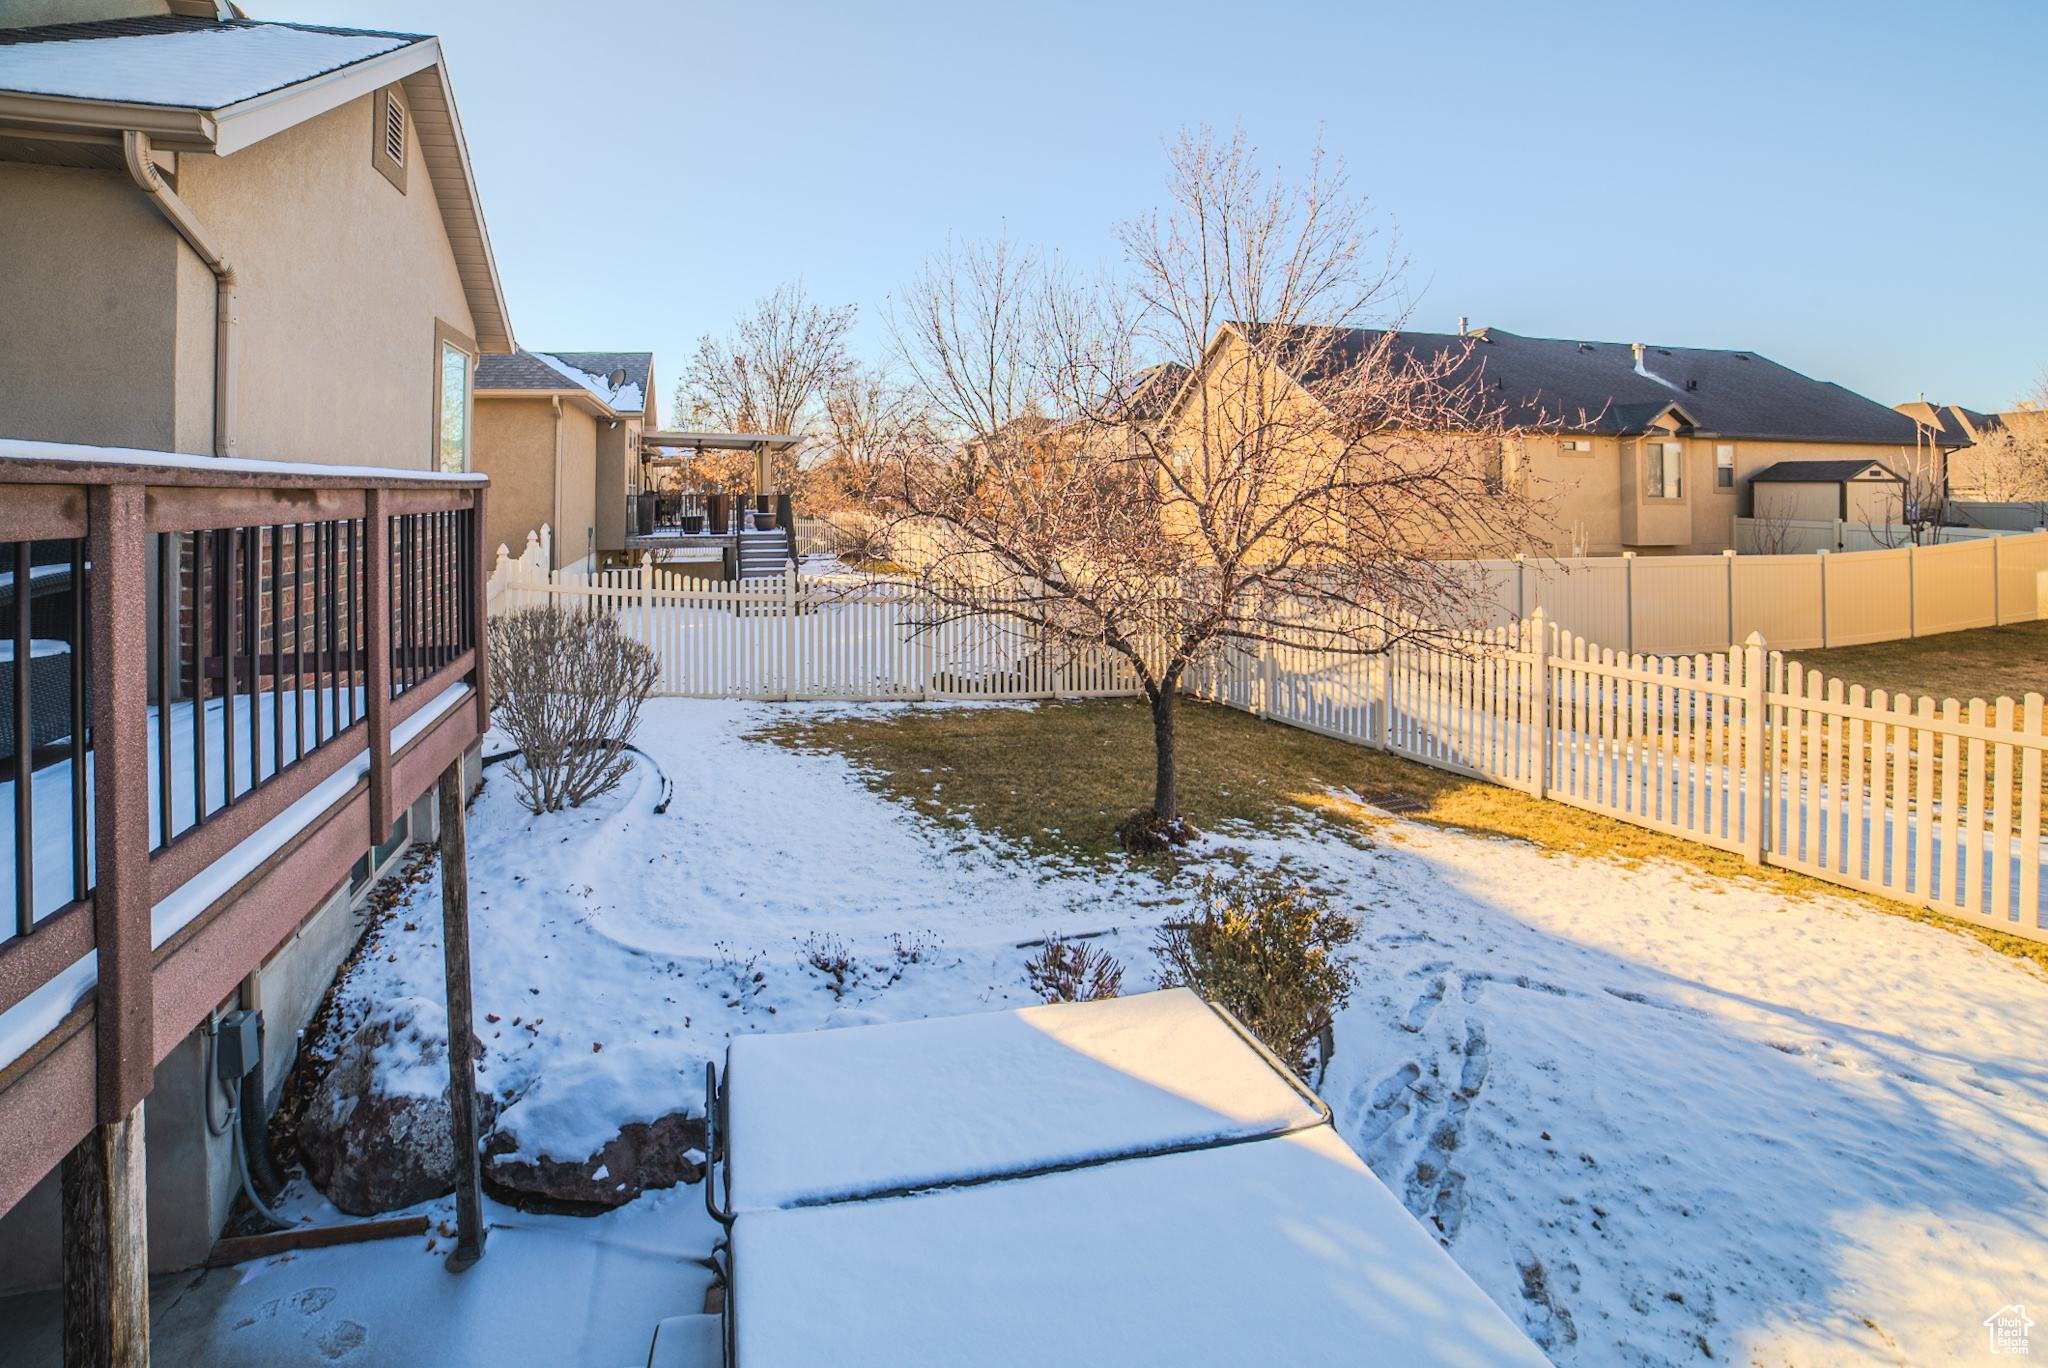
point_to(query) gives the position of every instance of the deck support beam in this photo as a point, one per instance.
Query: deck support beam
(469, 1216)
(106, 1248)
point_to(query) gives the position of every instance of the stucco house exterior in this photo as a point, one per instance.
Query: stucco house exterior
(244, 289)
(559, 435)
(1640, 448)
(327, 199)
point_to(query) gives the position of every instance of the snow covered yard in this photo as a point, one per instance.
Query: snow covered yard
(1657, 1116)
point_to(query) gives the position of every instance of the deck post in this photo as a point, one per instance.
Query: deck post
(106, 1248)
(377, 670)
(120, 742)
(469, 1216)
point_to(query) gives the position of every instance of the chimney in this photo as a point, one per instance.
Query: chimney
(1461, 325)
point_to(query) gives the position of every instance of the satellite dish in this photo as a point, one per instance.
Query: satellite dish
(616, 378)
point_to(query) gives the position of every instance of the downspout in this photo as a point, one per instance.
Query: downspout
(558, 479)
(135, 146)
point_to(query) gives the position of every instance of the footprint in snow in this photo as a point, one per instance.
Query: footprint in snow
(1425, 1006)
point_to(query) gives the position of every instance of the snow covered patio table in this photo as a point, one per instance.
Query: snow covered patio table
(1128, 1182)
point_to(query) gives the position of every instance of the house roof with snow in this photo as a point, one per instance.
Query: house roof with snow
(578, 374)
(203, 86)
(1622, 388)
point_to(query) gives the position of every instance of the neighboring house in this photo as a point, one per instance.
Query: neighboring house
(1641, 448)
(222, 239)
(559, 435)
(2003, 457)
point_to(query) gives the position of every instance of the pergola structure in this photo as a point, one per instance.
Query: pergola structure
(762, 444)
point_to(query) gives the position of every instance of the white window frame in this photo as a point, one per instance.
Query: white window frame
(448, 340)
(1724, 466)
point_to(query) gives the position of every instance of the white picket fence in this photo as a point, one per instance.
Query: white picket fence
(801, 637)
(1737, 750)
(1740, 750)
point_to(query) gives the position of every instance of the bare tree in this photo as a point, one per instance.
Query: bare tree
(1917, 510)
(771, 373)
(1205, 452)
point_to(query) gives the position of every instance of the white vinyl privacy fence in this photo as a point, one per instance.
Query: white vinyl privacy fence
(1743, 751)
(1663, 604)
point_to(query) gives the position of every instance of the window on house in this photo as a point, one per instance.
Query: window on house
(1724, 466)
(1496, 467)
(454, 409)
(1664, 466)
(1575, 444)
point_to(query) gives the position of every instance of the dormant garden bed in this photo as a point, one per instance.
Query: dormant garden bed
(1658, 1109)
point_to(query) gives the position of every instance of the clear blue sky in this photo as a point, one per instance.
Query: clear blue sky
(1855, 190)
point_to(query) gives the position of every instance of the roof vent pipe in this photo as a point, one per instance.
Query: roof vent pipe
(1639, 357)
(1462, 320)
(142, 169)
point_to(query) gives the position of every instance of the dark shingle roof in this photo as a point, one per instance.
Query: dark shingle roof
(1594, 387)
(1818, 472)
(150, 24)
(519, 370)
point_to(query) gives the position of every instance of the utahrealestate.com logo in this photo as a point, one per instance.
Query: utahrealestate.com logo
(2008, 1328)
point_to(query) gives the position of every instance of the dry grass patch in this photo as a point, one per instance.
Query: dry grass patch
(1054, 779)
(1987, 662)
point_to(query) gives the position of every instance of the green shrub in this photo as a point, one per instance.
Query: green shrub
(1268, 949)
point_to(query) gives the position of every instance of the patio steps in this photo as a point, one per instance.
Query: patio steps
(762, 554)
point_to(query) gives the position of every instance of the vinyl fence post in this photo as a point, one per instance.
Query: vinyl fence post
(1997, 600)
(1822, 557)
(1539, 693)
(1913, 591)
(1265, 695)
(1628, 574)
(788, 631)
(1755, 818)
(1728, 557)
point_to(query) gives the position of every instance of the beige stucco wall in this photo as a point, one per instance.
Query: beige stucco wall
(579, 486)
(513, 442)
(107, 317)
(89, 310)
(616, 473)
(342, 279)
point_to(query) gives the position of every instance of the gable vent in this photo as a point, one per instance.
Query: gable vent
(394, 130)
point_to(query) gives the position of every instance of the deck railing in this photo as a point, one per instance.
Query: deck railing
(206, 661)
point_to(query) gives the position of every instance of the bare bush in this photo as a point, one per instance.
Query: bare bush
(1268, 949)
(1073, 972)
(567, 688)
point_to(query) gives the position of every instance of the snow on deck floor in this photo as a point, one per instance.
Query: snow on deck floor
(1780, 1131)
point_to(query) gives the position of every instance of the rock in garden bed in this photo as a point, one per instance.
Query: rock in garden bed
(642, 1155)
(376, 1135)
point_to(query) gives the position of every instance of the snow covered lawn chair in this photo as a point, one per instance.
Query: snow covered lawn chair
(1127, 1182)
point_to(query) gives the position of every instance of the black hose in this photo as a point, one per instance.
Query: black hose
(667, 789)
(256, 1126)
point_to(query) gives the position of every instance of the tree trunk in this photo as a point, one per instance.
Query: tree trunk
(1166, 779)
